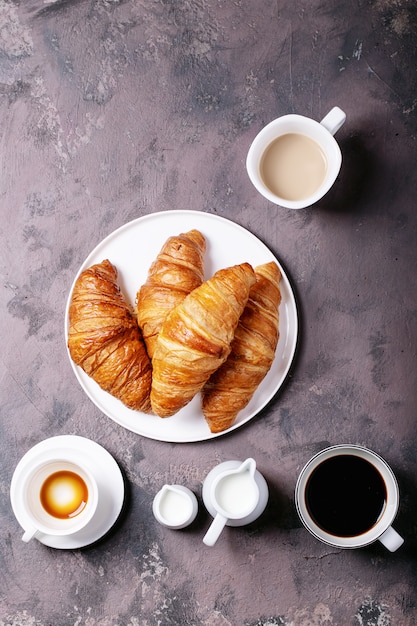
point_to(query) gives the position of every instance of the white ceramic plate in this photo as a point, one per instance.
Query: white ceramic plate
(132, 248)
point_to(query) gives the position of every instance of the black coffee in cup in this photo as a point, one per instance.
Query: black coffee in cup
(345, 495)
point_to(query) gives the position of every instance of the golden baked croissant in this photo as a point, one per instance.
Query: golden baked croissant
(177, 270)
(195, 338)
(104, 338)
(232, 386)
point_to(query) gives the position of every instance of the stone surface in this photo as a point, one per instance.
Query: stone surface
(111, 110)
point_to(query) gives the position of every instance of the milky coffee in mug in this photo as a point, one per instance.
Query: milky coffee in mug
(294, 160)
(347, 496)
(293, 166)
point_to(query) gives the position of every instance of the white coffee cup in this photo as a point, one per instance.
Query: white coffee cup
(57, 497)
(347, 496)
(309, 160)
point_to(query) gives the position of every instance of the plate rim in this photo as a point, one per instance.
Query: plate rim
(78, 372)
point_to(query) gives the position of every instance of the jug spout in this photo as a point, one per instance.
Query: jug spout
(249, 465)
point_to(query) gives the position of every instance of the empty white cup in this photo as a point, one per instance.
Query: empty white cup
(57, 497)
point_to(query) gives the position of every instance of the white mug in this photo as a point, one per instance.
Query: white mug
(304, 168)
(236, 494)
(57, 497)
(347, 496)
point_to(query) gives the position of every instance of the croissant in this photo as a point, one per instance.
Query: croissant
(195, 338)
(232, 386)
(177, 270)
(104, 338)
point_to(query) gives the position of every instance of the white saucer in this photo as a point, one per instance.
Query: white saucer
(106, 472)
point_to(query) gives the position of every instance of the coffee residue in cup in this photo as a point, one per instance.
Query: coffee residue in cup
(64, 494)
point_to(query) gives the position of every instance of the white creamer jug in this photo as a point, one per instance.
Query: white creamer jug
(235, 494)
(175, 506)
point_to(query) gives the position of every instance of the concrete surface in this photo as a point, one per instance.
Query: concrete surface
(111, 110)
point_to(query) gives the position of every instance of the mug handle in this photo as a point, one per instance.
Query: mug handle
(30, 533)
(391, 539)
(334, 120)
(215, 529)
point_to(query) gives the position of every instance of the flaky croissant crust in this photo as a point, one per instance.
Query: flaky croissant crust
(196, 336)
(104, 339)
(220, 339)
(176, 271)
(232, 386)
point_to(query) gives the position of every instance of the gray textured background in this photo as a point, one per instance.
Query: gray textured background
(111, 110)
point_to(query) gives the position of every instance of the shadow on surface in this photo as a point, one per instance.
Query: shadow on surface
(119, 521)
(359, 175)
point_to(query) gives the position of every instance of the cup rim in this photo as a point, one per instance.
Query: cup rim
(260, 143)
(63, 530)
(387, 516)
